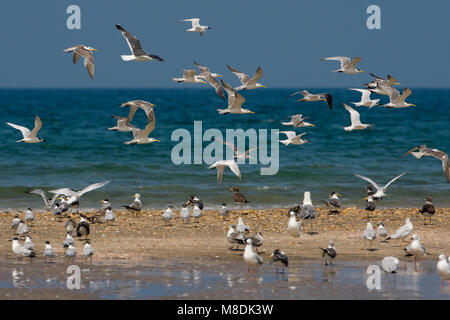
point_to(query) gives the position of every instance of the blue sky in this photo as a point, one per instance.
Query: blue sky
(286, 38)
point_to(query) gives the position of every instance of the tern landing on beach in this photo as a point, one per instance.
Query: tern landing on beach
(423, 150)
(297, 121)
(211, 79)
(74, 196)
(355, 119)
(293, 138)
(138, 104)
(402, 232)
(347, 66)
(380, 190)
(29, 136)
(247, 82)
(138, 54)
(397, 100)
(365, 99)
(196, 27)
(48, 203)
(235, 101)
(220, 166)
(307, 96)
(280, 259)
(189, 76)
(86, 52)
(329, 253)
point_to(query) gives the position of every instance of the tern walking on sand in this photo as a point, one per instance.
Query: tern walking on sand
(29, 136)
(86, 52)
(138, 54)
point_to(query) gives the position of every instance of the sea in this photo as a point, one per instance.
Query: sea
(80, 150)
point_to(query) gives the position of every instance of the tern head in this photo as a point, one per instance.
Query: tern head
(275, 252)
(381, 224)
(137, 195)
(415, 237)
(47, 242)
(247, 111)
(442, 257)
(428, 199)
(359, 70)
(153, 140)
(259, 85)
(249, 241)
(90, 48)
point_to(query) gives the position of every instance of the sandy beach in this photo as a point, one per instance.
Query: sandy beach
(146, 237)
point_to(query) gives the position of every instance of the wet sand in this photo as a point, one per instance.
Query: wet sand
(142, 258)
(146, 236)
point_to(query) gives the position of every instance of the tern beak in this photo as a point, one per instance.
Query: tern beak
(339, 195)
(361, 71)
(250, 112)
(271, 255)
(365, 198)
(219, 75)
(157, 140)
(313, 125)
(413, 105)
(94, 49)
(263, 86)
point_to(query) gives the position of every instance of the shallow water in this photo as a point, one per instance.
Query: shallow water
(216, 280)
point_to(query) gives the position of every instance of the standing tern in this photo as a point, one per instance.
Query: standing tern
(427, 209)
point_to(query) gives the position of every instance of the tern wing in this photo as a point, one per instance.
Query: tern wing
(92, 187)
(369, 180)
(354, 115)
(65, 191)
(37, 126)
(389, 183)
(133, 42)
(25, 131)
(241, 76)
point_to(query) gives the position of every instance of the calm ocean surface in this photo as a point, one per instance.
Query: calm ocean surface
(80, 150)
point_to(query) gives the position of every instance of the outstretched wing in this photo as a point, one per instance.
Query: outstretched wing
(369, 180)
(354, 115)
(133, 42)
(389, 183)
(37, 127)
(243, 77)
(25, 131)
